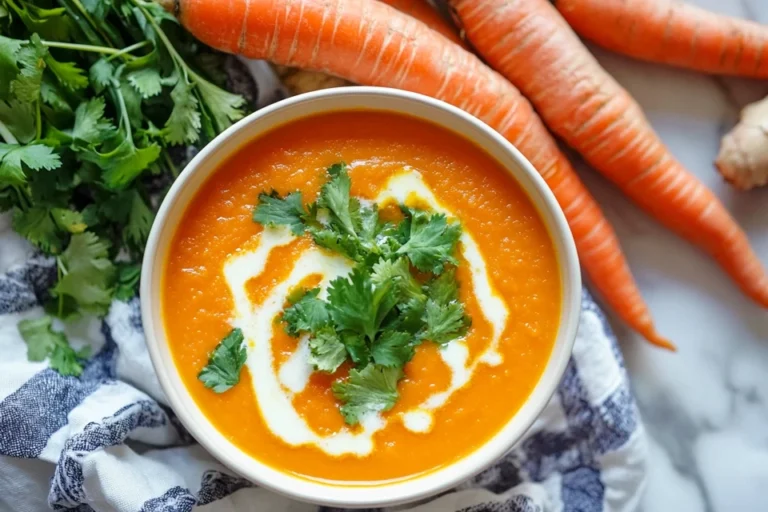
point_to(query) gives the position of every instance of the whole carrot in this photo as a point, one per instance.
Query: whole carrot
(425, 13)
(672, 32)
(370, 43)
(531, 44)
(299, 81)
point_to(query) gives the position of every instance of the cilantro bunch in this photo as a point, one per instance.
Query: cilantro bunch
(402, 291)
(93, 95)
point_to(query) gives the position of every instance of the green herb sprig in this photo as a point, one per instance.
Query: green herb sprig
(92, 97)
(376, 316)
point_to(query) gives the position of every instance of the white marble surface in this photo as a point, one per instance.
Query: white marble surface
(706, 407)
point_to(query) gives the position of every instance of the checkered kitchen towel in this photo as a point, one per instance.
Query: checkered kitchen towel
(107, 441)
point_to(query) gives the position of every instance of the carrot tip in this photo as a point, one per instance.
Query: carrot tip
(655, 339)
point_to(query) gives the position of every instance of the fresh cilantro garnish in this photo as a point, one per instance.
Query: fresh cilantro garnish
(443, 315)
(399, 273)
(358, 305)
(444, 288)
(327, 350)
(392, 349)
(273, 210)
(224, 366)
(92, 94)
(43, 342)
(358, 348)
(382, 310)
(444, 322)
(341, 243)
(372, 389)
(432, 241)
(335, 196)
(307, 313)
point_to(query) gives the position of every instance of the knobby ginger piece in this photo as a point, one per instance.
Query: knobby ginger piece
(743, 157)
(299, 81)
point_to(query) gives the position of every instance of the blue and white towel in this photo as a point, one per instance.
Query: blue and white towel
(107, 440)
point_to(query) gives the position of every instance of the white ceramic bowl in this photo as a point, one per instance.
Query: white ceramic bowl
(355, 98)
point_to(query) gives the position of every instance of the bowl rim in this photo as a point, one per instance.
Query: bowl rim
(362, 494)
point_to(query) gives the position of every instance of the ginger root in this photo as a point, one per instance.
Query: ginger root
(299, 81)
(743, 157)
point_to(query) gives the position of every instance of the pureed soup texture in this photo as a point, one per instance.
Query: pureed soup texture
(361, 296)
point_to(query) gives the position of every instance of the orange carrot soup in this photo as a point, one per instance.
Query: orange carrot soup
(361, 296)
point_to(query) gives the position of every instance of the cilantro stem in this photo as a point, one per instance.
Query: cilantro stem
(167, 42)
(59, 275)
(123, 53)
(38, 122)
(90, 21)
(170, 164)
(196, 79)
(124, 120)
(22, 197)
(6, 134)
(112, 52)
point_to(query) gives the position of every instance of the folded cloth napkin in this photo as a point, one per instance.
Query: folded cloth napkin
(107, 440)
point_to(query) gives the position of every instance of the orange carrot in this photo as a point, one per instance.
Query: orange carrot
(370, 43)
(531, 44)
(425, 13)
(672, 32)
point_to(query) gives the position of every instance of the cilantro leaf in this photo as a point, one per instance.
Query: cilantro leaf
(327, 351)
(356, 304)
(19, 118)
(70, 76)
(36, 225)
(146, 81)
(88, 272)
(273, 210)
(224, 366)
(432, 241)
(90, 125)
(26, 86)
(52, 24)
(399, 272)
(42, 341)
(34, 156)
(340, 243)
(183, 125)
(444, 322)
(123, 164)
(53, 96)
(306, 314)
(372, 389)
(223, 106)
(140, 218)
(444, 288)
(392, 349)
(67, 220)
(356, 347)
(66, 361)
(101, 74)
(411, 316)
(98, 8)
(8, 68)
(371, 232)
(334, 195)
